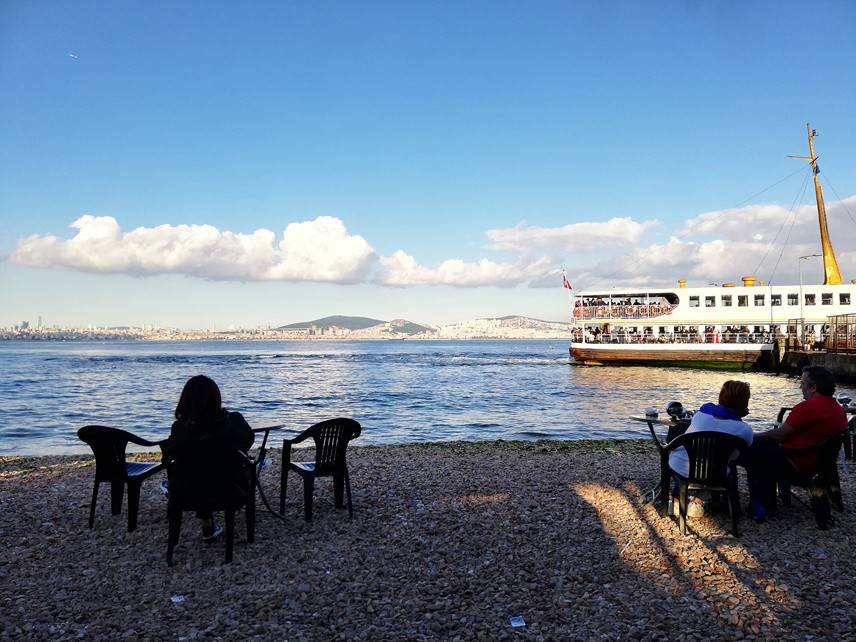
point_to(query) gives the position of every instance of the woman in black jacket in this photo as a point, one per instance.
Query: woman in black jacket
(199, 415)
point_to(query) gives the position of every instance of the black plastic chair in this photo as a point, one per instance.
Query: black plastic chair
(709, 453)
(208, 475)
(331, 441)
(822, 482)
(108, 445)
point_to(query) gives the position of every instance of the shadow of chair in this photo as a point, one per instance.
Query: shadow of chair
(109, 445)
(208, 475)
(821, 482)
(709, 454)
(331, 442)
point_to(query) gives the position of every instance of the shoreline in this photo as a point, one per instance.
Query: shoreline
(449, 541)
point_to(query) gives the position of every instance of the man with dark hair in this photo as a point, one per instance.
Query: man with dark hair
(810, 423)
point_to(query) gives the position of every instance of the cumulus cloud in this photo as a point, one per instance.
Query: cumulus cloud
(402, 269)
(719, 247)
(577, 237)
(319, 250)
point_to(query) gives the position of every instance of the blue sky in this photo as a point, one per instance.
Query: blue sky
(262, 163)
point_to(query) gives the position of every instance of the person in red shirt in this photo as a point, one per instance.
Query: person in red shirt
(810, 423)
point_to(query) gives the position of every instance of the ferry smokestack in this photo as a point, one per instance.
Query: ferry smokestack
(682, 283)
(748, 281)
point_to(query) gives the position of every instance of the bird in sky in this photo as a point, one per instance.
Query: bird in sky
(73, 56)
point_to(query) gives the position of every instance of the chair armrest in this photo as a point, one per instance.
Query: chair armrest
(296, 440)
(140, 441)
(781, 416)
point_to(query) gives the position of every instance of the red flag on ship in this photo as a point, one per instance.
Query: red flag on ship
(565, 283)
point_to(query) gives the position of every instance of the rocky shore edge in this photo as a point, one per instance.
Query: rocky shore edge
(449, 541)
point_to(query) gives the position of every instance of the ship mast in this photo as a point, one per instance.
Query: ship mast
(832, 276)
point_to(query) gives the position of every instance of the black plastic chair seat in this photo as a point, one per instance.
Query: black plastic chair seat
(331, 442)
(136, 468)
(109, 445)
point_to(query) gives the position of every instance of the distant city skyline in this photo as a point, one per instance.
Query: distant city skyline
(257, 165)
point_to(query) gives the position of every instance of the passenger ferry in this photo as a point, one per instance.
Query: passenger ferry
(728, 326)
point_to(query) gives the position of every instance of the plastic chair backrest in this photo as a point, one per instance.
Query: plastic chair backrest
(207, 473)
(331, 441)
(826, 455)
(709, 453)
(108, 445)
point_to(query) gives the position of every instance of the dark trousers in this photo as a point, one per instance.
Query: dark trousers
(765, 464)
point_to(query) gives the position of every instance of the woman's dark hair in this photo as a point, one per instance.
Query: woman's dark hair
(200, 400)
(822, 378)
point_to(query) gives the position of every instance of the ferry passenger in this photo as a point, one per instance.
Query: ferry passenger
(725, 416)
(200, 415)
(810, 423)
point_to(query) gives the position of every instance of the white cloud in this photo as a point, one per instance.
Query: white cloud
(723, 247)
(319, 250)
(577, 237)
(402, 269)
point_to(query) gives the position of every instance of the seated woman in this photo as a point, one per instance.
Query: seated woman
(726, 416)
(200, 415)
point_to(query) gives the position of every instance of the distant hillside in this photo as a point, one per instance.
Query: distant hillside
(339, 321)
(400, 326)
(517, 316)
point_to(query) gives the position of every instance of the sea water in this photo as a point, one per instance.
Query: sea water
(400, 391)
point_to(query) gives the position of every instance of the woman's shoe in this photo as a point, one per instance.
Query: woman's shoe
(210, 533)
(758, 512)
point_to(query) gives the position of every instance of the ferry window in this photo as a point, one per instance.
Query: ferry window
(710, 301)
(693, 301)
(742, 300)
(775, 299)
(726, 301)
(826, 298)
(793, 299)
(844, 299)
(759, 299)
(809, 299)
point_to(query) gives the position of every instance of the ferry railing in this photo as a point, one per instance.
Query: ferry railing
(626, 337)
(841, 337)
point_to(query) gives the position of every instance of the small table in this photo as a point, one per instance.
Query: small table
(676, 427)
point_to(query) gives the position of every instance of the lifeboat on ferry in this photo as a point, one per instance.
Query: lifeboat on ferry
(628, 310)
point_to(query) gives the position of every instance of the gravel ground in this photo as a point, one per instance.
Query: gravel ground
(448, 542)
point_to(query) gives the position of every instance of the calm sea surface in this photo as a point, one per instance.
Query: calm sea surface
(401, 391)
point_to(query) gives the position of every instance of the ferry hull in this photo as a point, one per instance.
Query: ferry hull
(722, 356)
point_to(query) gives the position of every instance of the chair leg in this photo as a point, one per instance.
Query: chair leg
(308, 490)
(835, 488)
(250, 514)
(283, 484)
(664, 495)
(682, 519)
(339, 491)
(174, 532)
(230, 533)
(133, 504)
(92, 505)
(733, 502)
(117, 489)
(784, 494)
(819, 498)
(348, 491)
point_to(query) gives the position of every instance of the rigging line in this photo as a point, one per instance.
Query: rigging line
(791, 229)
(798, 199)
(680, 236)
(840, 200)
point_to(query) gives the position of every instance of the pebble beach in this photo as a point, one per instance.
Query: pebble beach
(449, 541)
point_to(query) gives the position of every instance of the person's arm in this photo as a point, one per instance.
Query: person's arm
(777, 435)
